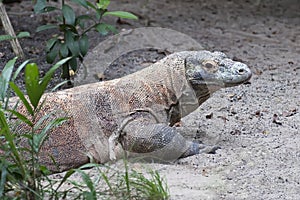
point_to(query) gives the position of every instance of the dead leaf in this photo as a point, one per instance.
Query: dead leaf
(275, 119)
(290, 112)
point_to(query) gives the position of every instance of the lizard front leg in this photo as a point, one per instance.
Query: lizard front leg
(144, 135)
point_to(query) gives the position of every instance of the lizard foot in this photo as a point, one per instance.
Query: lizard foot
(196, 148)
(210, 149)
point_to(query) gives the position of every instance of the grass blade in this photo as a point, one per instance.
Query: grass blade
(10, 140)
(22, 117)
(89, 183)
(22, 97)
(39, 139)
(67, 175)
(3, 168)
(5, 78)
(49, 74)
(17, 72)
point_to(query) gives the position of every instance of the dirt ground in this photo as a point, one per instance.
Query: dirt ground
(256, 125)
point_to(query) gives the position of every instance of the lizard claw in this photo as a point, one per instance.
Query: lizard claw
(208, 149)
(112, 156)
(196, 148)
(111, 146)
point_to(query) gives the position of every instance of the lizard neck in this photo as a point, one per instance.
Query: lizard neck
(202, 93)
(186, 96)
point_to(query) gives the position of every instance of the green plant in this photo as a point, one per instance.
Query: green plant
(20, 168)
(74, 41)
(114, 183)
(21, 174)
(149, 188)
(19, 35)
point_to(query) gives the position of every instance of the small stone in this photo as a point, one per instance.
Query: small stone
(100, 76)
(209, 116)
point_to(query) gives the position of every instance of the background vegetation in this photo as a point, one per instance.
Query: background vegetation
(22, 174)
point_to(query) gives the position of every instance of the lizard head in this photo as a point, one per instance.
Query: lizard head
(207, 72)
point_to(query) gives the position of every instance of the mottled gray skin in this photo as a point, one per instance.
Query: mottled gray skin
(205, 73)
(136, 113)
(208, 72)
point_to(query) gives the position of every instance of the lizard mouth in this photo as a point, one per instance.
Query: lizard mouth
(237, 80)
(225, 81)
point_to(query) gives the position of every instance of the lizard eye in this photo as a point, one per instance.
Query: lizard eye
(210, 66)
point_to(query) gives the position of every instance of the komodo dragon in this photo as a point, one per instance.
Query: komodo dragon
(137, 112)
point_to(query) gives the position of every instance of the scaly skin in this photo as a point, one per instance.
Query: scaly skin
(137, 112)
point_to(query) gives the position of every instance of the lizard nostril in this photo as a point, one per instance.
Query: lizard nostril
(241, 71)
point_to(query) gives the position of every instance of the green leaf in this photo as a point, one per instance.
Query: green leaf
(91, 5)
(84, 17)
(4, 126)
(99, 14)
(81, 2)
(89, 195)
(39, 6)
(103, 4)
(32, 84)
(72, 44)
(22, 97)
(67, 175)
(45, 80)
(46, 27)
(21, 117)
(50, 43)
(60, 18)
(34, 87)
(89, 165)
(9, 137)
(74, 48)
(67, 27)
(52, 54)
(39, 139)
(23, 34)
(64, 52)
(104, 29)
(80, 20)
(9, 37)
(69, 37)
(3, 176)
(50, 8)
(73, 64)
(87, 180)
(17, 72)
(41, 122)
(6, 37)
(84, 44)
(5, 77)
(121, 14)
(59, 85)
(68, 14)
(44, 170)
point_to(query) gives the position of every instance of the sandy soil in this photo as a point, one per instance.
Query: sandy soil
(257, 125)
